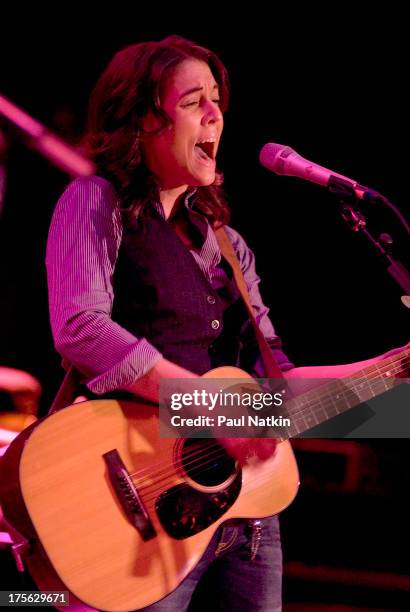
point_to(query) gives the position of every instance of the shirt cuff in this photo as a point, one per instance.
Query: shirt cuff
(136, 362)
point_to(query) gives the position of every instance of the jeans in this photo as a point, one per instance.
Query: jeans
(227, 579)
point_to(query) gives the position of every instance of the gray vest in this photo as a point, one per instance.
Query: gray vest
(162, 295)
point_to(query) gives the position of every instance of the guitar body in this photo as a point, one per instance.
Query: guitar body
(56, 487)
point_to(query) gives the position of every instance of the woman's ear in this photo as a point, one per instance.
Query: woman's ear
(149, 123)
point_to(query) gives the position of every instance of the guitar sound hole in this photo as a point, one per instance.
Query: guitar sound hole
(206, 462)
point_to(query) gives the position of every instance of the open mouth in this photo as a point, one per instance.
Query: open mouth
(206, 150)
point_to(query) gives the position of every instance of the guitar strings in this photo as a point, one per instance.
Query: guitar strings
(199, 454)
(215, 455)
(316, 393)
(152, 496)
(211, 455)
(183, 463)
(307, 404)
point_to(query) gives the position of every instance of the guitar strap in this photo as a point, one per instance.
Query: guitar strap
(67, 391)
(72, 380)
(272, 369)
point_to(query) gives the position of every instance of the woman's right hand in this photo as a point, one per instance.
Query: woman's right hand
(243, 449)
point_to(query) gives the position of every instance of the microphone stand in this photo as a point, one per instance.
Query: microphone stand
(43, 140)
(3, 168)
(356, 220)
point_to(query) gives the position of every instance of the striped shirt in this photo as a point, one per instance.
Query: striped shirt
(82, 249)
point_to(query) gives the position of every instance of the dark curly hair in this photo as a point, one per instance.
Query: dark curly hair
(129, 87)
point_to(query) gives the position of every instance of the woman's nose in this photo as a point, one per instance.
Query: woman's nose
(212, 112)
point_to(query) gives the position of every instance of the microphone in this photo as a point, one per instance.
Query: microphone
(285, 161)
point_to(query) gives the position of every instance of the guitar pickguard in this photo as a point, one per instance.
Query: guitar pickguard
(184, 511)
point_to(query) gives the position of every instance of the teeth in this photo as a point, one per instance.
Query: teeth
(207, 140)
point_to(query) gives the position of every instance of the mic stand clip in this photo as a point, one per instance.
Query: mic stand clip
(356, 220)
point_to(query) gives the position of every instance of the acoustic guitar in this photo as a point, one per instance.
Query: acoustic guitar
(118, 516)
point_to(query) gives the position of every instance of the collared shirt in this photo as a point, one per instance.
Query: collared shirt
(82, 249)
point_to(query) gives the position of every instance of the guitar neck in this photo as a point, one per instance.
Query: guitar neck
(327, 401)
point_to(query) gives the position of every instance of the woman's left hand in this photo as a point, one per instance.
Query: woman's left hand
(395, 351)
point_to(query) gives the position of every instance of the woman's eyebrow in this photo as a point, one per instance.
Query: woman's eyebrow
(194, 90)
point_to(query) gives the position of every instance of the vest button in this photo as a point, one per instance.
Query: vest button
(215, 324)
(210, 299)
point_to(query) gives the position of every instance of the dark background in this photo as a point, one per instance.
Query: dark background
(334, 91)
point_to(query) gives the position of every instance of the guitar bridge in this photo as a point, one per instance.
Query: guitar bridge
(128, 495)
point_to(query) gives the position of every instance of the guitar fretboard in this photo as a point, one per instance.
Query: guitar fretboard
(327, 401)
